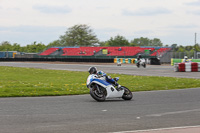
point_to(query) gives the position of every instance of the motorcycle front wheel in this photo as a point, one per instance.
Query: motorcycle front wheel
(127, 94)
(144, 65)
(98, 93)
(138, 65)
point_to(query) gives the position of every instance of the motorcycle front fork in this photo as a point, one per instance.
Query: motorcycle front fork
(98, 90)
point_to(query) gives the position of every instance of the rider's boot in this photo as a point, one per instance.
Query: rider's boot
(118, 86)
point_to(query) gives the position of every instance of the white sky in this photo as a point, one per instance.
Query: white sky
(172, 21)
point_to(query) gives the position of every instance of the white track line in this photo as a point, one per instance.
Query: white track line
(176, 112)
(159, 129)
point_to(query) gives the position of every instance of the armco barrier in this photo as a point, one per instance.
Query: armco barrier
(187, 67)
(59, 59)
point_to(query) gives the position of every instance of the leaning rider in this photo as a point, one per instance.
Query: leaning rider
(93, 70)
(139, 58)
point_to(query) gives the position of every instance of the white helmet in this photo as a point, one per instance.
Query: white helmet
(185, 57)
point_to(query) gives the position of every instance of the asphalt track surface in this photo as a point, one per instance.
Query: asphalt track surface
(81, 114)
(151, 70)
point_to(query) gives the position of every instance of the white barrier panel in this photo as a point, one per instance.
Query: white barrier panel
(188, 67)
(198, 66)
(176, 67)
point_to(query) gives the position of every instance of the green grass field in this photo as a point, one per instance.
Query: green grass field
(17, 82)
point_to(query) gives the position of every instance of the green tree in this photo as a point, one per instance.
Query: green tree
(146, 42)
(23, 49)
(140, 42)
(174, 46)
(102, 43)
(34, 48)
(5, 46)
(188, 48)
(79, 35)
(117, 41)
(181, 49)
(156, 42)
(16, 47)
(197, 47)
(31, 48)
(54, 43)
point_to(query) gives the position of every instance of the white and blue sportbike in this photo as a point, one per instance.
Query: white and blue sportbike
(101, 90)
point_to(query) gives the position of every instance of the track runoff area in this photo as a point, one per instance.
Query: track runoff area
(150, 70)
(163, 71)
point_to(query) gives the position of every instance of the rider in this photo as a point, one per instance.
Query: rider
(139, 58)
(93, 70)
(185, 59)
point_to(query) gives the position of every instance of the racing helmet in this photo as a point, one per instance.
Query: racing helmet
(185, 57)
(92, 70)
(139, 56)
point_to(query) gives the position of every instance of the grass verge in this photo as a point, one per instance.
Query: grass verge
(17, 82)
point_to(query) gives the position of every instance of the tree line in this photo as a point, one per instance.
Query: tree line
(83, 35)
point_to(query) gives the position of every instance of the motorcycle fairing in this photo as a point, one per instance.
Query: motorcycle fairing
(111, 90)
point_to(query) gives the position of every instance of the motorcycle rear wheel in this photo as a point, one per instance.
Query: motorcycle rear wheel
(95, 94)
(127, 94)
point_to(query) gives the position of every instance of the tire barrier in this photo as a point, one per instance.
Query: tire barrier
(151, 61)
(187, 67)
(124, 60)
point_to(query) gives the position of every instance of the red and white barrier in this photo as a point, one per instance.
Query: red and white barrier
(187, 67)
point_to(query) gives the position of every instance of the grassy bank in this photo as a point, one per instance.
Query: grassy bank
(16, 82)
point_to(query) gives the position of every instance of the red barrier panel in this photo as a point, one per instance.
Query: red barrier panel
(194, 69)
(194, 64)
(181, 67)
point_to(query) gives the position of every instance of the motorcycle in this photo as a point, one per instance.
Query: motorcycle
(100, 89)
(141, 62)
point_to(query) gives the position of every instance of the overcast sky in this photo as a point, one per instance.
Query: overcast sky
(172, 21)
